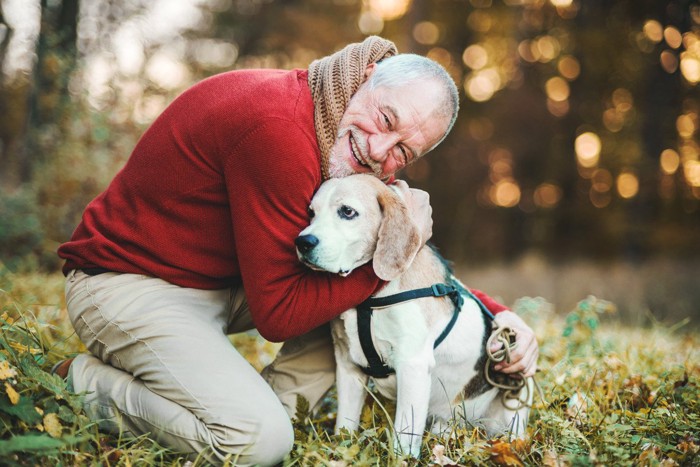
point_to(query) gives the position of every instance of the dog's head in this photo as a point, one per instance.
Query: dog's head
(354, 220)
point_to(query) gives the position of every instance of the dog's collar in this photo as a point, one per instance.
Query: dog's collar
(377, 368)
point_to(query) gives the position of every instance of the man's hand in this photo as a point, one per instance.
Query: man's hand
(524, 357)
(418, 202)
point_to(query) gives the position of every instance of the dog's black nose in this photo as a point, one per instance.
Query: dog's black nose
(306, 243)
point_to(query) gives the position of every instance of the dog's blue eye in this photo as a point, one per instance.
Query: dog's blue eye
(346, 212)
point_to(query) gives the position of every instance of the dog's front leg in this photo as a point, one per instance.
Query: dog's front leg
(412, 400)
(350, 385)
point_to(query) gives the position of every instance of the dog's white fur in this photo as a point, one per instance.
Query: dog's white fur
(357, 219)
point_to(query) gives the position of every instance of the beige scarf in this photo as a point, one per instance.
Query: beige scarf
(333, 81)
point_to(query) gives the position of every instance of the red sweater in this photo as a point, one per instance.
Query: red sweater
(214, 194)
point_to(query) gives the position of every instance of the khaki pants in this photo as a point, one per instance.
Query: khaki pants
(162, 364)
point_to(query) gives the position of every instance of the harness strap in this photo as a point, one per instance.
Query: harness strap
(377, 368)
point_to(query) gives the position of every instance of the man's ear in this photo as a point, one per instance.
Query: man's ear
(369, 70)
(399, 238)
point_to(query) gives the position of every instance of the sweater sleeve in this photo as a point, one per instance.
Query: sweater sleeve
(492, 305)
(271, 181)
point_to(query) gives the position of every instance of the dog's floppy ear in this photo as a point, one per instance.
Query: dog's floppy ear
(399, 239)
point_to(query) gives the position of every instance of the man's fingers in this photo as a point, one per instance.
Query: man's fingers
(531, 361)
(522, 357)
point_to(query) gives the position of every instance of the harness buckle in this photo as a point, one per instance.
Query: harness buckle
(440, 290)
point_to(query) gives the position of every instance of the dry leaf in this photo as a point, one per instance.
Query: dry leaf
(6, 372)
(12, 394)
(6, 318)
(439, 457)
(53, 425)
(24, 348)
(502, 453)
(577, 406)
(552, 458)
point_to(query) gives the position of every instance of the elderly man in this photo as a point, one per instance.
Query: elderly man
(194, 239)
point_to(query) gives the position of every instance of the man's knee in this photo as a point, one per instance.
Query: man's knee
(264, 442)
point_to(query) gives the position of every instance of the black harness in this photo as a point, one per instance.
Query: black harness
(377, 368)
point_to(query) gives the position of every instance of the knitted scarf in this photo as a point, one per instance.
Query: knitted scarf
(333, 81)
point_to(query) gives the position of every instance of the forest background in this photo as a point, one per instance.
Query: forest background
(573, 169)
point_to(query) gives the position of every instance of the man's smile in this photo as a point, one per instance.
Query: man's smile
(355, 151)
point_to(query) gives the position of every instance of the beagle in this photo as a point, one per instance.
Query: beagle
(358, 219)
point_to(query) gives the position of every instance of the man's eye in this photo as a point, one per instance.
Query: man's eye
(404, 152)
(311, 213)
(387, 121)
(346, 212)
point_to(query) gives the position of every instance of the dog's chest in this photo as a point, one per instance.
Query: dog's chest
(398, 333)
(402, 333)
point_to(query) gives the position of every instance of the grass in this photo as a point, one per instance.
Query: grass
(613, 395)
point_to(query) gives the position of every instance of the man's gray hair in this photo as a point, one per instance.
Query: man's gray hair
(403, 69)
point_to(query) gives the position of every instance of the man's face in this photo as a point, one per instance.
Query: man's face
(385, 129)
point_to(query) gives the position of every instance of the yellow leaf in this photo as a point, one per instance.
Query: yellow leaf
(5, 371)
(39, 410)
(11, 393)
(24, 348)
(53, 425)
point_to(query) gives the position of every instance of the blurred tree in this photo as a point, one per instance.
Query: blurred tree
(578, 133)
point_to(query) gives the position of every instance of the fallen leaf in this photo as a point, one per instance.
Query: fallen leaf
(6, 372)
(502, 453)
(52, 425)
(439, 457)
(11, 394)
(552, 458)
(24, 348)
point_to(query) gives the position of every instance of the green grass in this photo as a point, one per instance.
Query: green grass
(613, 395)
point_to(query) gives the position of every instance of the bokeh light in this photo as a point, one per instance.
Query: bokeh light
(389, 9)
(562, 3)
(370, 22)
(653, 31)
(587, 146)
(673, 37)
(602, 180)
(475, 57)
(482, 85)
(669, 61)
(426, 33)
(167, 72)
(691, 170)
(622, 100)
(557, 89)
(690, 68)
(505, 193)
(669, 161)
(479, 21)
(569, 67)
(547, 195)
(685, 124)
(627, 185)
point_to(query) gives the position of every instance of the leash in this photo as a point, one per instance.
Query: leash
(515, 391)
(511, 387)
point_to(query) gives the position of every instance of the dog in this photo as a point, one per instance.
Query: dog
(358, 219)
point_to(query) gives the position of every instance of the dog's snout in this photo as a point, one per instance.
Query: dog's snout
(306, 243)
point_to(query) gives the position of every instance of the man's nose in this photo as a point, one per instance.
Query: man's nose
(380, 145)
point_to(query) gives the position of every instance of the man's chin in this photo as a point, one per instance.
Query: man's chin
(339, 169)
